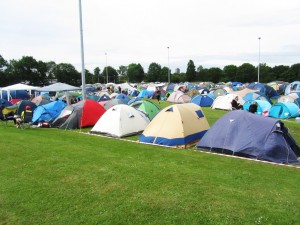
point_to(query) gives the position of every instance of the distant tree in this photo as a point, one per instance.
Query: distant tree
(266, 73)
(202, 75)
(122, 70)
(112, 74)
(98, 76)
(214, 74)
(28, 70)
(199, 68)
(164, 75)
(178, 77)
(191, 71)
(246, 73)
(122, 73)
(229, 73)
(89, 77)
(279, 72)
(50, 71)
(66, 73)
(154, 72)
(293, 73)
(135, 72)
(3, 75)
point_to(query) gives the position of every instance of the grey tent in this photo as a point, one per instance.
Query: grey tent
(245, 134)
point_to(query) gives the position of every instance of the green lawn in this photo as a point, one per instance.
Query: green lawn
(50, 176)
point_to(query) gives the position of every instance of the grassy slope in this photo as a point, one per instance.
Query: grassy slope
(50, 176)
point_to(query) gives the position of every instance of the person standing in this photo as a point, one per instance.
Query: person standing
(158, 93)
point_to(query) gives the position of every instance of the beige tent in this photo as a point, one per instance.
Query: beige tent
(242, 92)
(177, 125)
(179, 97)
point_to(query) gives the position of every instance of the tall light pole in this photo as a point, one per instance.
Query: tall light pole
(169, 80)
(258, 67)
(106, 68)
(82, 54)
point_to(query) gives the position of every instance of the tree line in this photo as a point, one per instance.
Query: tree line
(38, 73)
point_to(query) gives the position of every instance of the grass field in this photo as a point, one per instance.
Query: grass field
(50, 176)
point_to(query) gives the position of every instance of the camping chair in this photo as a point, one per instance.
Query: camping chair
(5, 118)
(27, 121)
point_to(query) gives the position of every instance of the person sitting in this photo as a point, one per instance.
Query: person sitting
(235, 104)
(26, 117)
(253, 107)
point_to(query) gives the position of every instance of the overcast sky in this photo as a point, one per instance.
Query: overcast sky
(212, 33)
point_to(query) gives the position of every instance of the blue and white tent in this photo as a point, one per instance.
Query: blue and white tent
(244, 134)
(292, 87)
(202, 100)
(256, 96)
(284, 110)
(123, 97)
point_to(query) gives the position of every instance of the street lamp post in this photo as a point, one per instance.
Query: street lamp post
(258, 67)
(106, 68)
(82, 54)
(169, 80)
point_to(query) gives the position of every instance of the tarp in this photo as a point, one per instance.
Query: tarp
(59, 87)
(244, 134)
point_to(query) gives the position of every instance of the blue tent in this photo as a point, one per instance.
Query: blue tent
(284, 110)
(244, 134)
(134, 100)
(134, 93)
(262, 106)
(123, 97)
(48, 112)
(143, 93)
(103, 98)
(292, 87)
(202, 100)
(256, 96)
(4, 102)
(266, 89)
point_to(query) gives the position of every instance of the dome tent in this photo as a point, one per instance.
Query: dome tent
(177, 125)
(82, 114)
(121, 121)
(244, 134)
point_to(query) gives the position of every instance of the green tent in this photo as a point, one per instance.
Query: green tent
(148, 107)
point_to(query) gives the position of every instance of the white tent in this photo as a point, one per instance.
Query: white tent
(120, 121)
(224, 102)
(17, 87)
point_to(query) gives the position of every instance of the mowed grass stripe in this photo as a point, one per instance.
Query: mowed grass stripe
(51, 176)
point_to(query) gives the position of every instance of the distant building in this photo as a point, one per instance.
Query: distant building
(177, 70)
